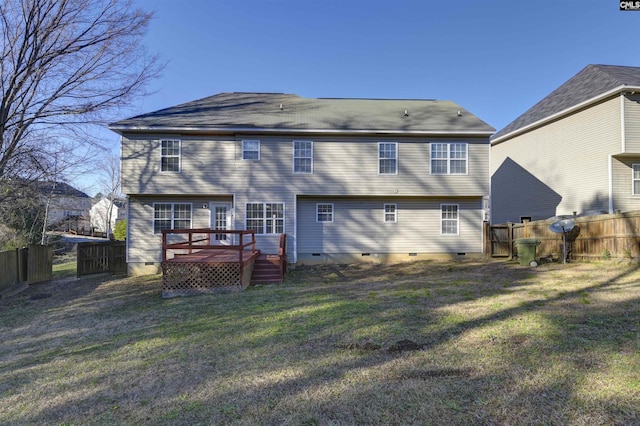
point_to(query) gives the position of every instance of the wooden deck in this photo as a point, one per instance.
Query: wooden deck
(194, 266)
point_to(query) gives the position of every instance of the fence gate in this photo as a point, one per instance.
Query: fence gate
(500, 240)
(101, 257)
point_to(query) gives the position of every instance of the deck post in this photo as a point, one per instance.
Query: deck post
(164, 246)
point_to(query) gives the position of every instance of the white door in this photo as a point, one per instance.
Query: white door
(221, 219)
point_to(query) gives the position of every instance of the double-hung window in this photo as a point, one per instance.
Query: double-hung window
(390, 213)
(387, 158)
(265, 218)
(636, 179)
(324, 212)
(449, 158)
(170, 155)
(302, 157)
(171, 216)
(449, 219)
(250, 150)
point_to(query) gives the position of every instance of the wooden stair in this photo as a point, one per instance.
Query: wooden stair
(267, 270)
(270, 268)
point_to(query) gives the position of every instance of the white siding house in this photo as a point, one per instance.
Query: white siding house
(100, 214)
(345, 179)
(577, 151)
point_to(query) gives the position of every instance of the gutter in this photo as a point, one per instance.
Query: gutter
(620, 89)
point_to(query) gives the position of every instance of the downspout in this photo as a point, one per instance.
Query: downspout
(610, 184)
(295, 229)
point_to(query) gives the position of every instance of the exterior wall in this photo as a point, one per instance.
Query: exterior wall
(100, 212)
(557, 169)
(623, 197)
(359, 228)
(632, 124)
(61, 207)
(342, 166)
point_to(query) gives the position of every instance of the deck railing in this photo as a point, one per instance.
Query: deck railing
(192, 244)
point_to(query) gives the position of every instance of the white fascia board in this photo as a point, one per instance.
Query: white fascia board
(252, 130)
(619, 89)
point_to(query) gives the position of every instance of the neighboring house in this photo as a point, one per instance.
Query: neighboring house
(345, 179)
(67, 205)
(100, 214)
(575, 151)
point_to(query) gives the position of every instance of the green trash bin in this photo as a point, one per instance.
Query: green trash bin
(527, 250)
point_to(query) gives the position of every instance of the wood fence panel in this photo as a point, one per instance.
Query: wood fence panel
(102, 257)
(9, 267)
(39, 263)
(592, 237)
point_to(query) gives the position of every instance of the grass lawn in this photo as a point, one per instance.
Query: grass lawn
(418, 343)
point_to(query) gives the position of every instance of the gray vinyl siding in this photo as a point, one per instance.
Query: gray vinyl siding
(143, 244)
(342, 166)
(359, 226)
(632, 124)
(623, 198)
(557, 169)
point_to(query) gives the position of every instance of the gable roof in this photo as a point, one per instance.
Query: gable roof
(278, 112)
(588, 85)
(59, 188)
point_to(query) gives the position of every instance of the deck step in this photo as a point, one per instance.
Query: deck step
(266, 270)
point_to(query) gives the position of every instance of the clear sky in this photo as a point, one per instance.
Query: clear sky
(495, 58)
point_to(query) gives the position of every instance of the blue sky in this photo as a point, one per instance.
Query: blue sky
(495, 58)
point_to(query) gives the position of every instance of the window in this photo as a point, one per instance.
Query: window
(448, 158)
(265, 218)
(388, 158)
(250, 150)
(302, 157)
(390, 214)
(171, 216)
(170, 155)
(324, 212)
(449, 219)
(636, 179)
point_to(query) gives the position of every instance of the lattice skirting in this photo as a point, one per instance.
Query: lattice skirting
(190, 278)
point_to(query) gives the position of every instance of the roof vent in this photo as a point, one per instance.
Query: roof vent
(459, 113)
(281, 107)
(406, 113)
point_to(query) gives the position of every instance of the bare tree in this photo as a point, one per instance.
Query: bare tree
(65, 65)
(110, 183)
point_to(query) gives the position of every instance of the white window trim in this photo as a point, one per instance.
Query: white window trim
(333, 212)
(397, 159)
(264, 218)
(448, 159)
(395, 213)
(293, 166)
(171, 156)
(243, 150)
(173, 204)
(457, 219)
(633, 179)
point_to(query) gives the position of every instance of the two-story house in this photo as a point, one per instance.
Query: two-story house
(575, 151)
(346, 179)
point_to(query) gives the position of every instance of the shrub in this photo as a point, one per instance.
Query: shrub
(120, 230)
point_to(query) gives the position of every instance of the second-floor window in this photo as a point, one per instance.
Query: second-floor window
(265, 218)
(171, 216)
(448, 158)
(302, 157)
(170, 155)
(387, 158)
(251, 150)
(636, 179)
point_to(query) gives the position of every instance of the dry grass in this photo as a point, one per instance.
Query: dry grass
(418, 343)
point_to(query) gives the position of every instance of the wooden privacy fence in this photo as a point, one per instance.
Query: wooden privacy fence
(102, 257)
(610, 235)
(32, 264)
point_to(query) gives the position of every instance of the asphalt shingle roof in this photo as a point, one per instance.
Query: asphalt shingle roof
(592, 81)
(288, 112)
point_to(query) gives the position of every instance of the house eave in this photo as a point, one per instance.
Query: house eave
(618, 90)
(121, 129)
